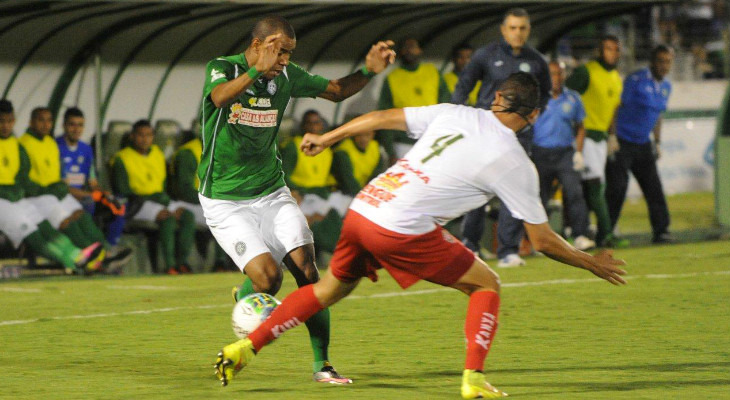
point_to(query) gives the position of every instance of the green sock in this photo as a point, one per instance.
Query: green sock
(319, 336)
(597, 203)
(167, 241)
(53, 245)
(75, 232)
(245, 289)
(185, 237)
(90, 229)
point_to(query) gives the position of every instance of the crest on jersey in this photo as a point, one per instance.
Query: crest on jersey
(240, 248)
(271, 87)
(567, 107)
(525, 67)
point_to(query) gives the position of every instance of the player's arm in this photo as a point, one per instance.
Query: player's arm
(603, 265)
(224, 93)
(394, 118)
(377, 59)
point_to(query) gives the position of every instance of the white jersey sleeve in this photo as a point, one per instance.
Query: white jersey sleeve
(518, 187)
(419, 118)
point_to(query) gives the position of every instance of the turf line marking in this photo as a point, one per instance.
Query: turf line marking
(140, 287)
(19, 290)
(355, 297)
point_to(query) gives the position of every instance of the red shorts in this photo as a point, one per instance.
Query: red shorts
(365, 247)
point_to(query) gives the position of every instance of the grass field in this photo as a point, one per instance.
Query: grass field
(562, 335)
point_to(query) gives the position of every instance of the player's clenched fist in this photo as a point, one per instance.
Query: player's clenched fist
(312, 144)
(380, 56)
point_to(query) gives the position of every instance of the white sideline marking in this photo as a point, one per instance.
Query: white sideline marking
(372, 296)
(140, 287)
(19, 290)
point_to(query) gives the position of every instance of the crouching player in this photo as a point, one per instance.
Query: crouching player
(463, 157)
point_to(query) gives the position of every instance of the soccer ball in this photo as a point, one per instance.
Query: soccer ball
(251, 311)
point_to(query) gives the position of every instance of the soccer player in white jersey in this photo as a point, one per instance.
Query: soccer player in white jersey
(463, 157)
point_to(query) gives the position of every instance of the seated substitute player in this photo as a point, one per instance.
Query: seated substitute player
(247, 205)
(79, 173)
(139, 173)
(463, 157)
(50, 194)
(20, 220)
(356, 161)
(183, 188)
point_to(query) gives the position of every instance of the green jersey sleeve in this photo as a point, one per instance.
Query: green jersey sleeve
(216, 72)
(305, 84)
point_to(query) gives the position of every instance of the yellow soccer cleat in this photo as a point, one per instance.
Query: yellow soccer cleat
(474, 386)
(232, 359)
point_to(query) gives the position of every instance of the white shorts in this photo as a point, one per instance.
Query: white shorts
(196, 209)
(312, 204)
(18, 219)
(594, 154)
(54, 210)
(248, 228)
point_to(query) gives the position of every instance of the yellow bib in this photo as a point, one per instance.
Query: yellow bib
(414, 88)
(311, 172)
(602, 96)
(146, 173)
(45, 159)
(363, 163)
(9, 160)
(196, 147)
(452, 79)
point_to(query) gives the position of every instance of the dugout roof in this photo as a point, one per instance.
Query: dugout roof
(70, 33)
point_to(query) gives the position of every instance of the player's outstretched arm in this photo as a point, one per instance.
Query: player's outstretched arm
(603, 265)
(378, 58)
(395, 118)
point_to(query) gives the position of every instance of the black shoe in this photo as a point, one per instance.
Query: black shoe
(664, 238)
(116, 258)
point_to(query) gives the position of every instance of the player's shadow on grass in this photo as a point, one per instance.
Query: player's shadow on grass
(666, 367)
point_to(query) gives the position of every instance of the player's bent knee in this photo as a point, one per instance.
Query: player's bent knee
(478, 278)
(265, 275)
(330, 290)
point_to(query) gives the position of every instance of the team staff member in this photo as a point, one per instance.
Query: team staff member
(492, 65)
(643, 100)
(599, 84)
(412, 84)
(247, 206)
(556, 158)
(463, 157)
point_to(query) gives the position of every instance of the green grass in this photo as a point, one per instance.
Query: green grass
(687, 210)
(664, 335)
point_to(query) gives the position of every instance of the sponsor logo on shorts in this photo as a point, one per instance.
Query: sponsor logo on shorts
(255, 118)
(448, 237)
(240, 248)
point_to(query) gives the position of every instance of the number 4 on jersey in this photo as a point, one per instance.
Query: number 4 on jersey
(441, 144)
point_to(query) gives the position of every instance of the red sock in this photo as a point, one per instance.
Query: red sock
(480, 327)
(294, 310)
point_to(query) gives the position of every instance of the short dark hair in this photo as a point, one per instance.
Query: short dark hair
(522, 91)
(72, 112)
(38, 110)
(271, 25)
(661, 48)
(516, 12)
(141, 123)
(607, 38)
(459, 47)
(6, 107)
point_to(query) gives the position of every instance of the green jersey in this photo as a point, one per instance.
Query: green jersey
(240, 160)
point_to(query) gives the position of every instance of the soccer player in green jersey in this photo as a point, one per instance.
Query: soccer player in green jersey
(247, 205)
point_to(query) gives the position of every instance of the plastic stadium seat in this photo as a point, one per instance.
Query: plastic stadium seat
(114, 139)
(167, 136)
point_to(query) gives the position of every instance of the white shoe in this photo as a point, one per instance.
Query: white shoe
(510, 261)
(584, 243)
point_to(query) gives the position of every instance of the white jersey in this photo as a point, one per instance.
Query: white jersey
(464, 157)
